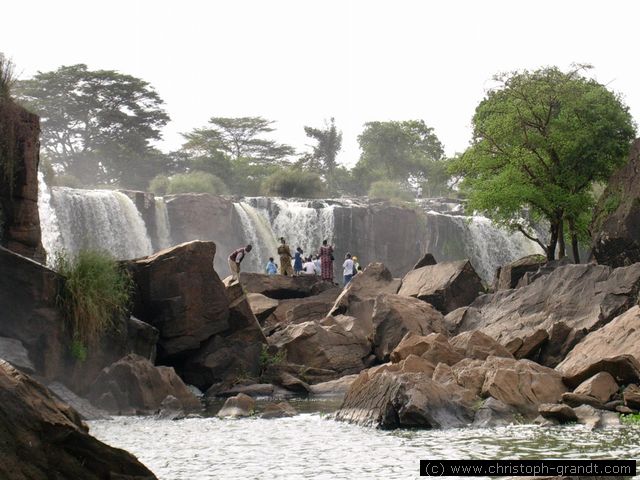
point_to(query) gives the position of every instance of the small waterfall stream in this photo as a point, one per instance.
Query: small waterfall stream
(258, 233)
(163, 226)
(51, 239)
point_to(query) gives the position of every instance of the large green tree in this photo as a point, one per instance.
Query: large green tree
(323, 155)
(98, 125)
(402, 151)
(541, 138)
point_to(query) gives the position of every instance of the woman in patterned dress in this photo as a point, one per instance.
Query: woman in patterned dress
(326, 261)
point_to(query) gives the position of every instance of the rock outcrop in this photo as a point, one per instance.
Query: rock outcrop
(446, 286)
(41, 438)
(19, 158)
(239, 406)
(616, 239)
(282, 286)
(544, 320)
(509, 275)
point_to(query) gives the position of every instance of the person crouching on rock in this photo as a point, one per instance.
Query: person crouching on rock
(235, 259)
(285, 258)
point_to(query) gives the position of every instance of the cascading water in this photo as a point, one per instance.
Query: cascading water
(100, 219)
(258, 233)
(163, 228)
(51, 240)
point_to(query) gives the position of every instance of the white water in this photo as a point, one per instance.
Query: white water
(258, 233)
(98, 219)
(163, 228)
(51, 240)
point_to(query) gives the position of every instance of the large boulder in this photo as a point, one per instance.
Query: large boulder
(394, 316)
(261, 306)
(135, 385)
(477, 345)
(299, 310)
(544, 320)
(179, 293)
(614, 348)
(283, 286)
(394, 399)
(616, 226)
(239, 406)
(509, 275)
(434, 347)
(601, 386)
(446, 286)
(41, 437)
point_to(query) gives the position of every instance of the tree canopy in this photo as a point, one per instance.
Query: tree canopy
(97, 125)
(322, 158)
(540, 140)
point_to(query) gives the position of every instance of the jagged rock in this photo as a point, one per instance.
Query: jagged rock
(292, 383)
(446, 286)
(558, 412)
(494, 413)
(142, 338)
(300, 310)
(133, 384)
(631, 396)
(278, 410)
(253, 390)
(593, 418)
(529, 345)
(583, 297)
(393, 400)
(426, 260)
(39, 435)
(606, 349)
(13, 351)
(179, 293)
(577, 399)
(394, 316)
(601, 386)
(510, 274)
(433, 347)
(477, 345)
(171, 409)
(79, 404)
(616, 226)
(261, 306)
(239, 406)
(333, 388)
(281, 287)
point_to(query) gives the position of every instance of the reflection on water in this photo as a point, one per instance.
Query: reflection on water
(312, 445)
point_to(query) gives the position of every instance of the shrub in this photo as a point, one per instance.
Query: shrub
(66, 180)
(159, 184)
(95, 291)
(294, 183)
(390, 190)
(196, 182)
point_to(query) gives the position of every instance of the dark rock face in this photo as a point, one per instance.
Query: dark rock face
(41, 437)
(616, 240)
(426, 260)
(19, 217)
(135, 385)
(446, 286)
(545, 319)
(179, 293)
(510, 274)
(14, 352)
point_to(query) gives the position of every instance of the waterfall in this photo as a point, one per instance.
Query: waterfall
(258, 233)
(51, 239)
(100, 219)
(163, 228)
(303, 224)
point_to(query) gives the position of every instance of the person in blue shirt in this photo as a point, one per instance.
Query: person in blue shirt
(297, 261)
(271, 267)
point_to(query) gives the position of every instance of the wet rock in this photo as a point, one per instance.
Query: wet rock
(292, 383)
(616, 226)
(279, 410)
(281, 287)
(239, 406)
(446, 286)
(83, 406)
(333, 388)
(38, 432)
(631, 396)
(253, 390)
(394, 400)
(477, 345)
(426, 260)
(614, 348)
(593, 418)
(394, 316)
(13, 351)
(261, 306)
(135, 385)
(433, 347)
(494, 413)
(171, 409)
(601, 386)
(623, 409)
(510, 274)
(583, 297)
(577, 399)
(558, 412)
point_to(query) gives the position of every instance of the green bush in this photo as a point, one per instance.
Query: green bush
(196, 182)
(631, 418)
(294, 183)
(66, 180)
(94, 292)
(159, 184)
(390, 190)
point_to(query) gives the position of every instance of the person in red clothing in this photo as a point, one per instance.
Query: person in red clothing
(326, 261)
(235, 259)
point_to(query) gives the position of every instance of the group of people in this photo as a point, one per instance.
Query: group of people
(297, 264)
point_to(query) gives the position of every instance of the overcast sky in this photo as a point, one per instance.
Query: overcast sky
(299, 62)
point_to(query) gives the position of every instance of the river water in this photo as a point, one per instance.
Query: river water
(312, 445)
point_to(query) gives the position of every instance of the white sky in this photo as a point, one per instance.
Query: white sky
(299, 62)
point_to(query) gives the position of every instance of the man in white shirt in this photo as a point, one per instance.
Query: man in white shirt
(347, 269)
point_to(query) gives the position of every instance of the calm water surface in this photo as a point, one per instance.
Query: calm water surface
(312, 445)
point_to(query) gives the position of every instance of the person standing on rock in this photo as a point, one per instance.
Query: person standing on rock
(347, 269)
(235, 259)
(285, 258)
(271, 267)
(326, 261)
(297, 261)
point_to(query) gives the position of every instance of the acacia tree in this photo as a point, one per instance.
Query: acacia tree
(540, 140)
(97, 125)
(322, 158)
(401, 151)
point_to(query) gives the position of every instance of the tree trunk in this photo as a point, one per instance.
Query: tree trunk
(553, 240)
(562, 250)
(574, 241)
